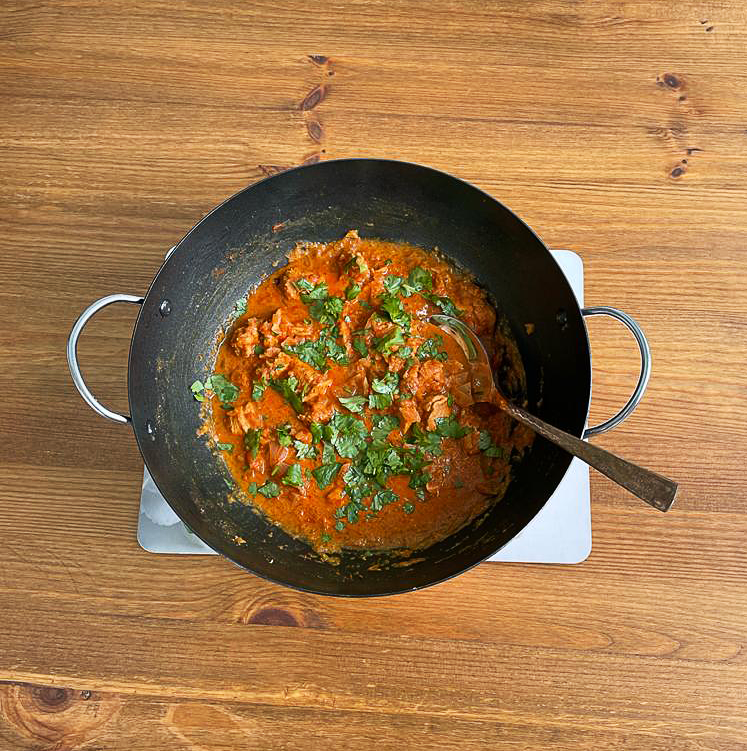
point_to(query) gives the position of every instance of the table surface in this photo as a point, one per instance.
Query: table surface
(616, 129)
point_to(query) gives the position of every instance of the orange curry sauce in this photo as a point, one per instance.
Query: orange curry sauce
(348, 419)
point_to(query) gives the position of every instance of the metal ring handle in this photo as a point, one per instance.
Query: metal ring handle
(72, 355)
(640, 389)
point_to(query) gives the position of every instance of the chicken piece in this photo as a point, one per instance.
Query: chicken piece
(347, 338)
(321, 410)
(244, 417)
(319, 390)
(360, 379)
(395, 363)
(246, 338)
(432, 376)
(285, 283)
(410, 378)
(437, 407)
(409, 414)
(257, 465)
(301, 434)
(378, 325)
(276, 367)
(277, 455)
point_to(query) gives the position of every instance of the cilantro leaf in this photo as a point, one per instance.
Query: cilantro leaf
(258, 389)
(484, 441)
(197, 388)
(239, 307)
(359, 345)
(316, 431)
(222, 388)
(350, 435)
(284, 437)
(390, 342)
(252, 489)
(386, 385)
(382, 426)
(495, 452)
(379, 401)
(325, 474)
(293, 476)
(352, 291)
(393, 307)
(269, 490)
(408, 508)
(327, 310)
(448, 427)
(353, 403)
(428, 350)
(304, 450)
(310, 292)
(392, 283)
(383, 498)
(251, 441)
(287, 389)
(225, 446)
(308, 352)
(419, 279)
(446, 305)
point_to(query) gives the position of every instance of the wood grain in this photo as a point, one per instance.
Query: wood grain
(616, 129)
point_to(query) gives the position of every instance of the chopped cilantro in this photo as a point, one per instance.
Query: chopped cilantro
(316, 431)
(225, 446)
(382, 426)
(239, 307)
(284, 434)
(419, 279)
(293, 477)
(358, 261)
(251, 441)
(353, 403)
(393, 307)
(269, 490)
(325, 537)
(222, 387)
(386, 385)
(349, 435)
(197, 388)
(429, 349)
(408, 508)
(485, 444)
(495, 452)
(448, 427)
(383, 498)
(484, 441)
(359, 345)
(287, 388)
(311, 292)
(258, 389)
(252, 489)
(304, 450)
(390, 342)
(379, 401)
(340, 526)
(308, 352)
(327, 310)
(325, 474)
(352, 291)
(258, 349)
(392, 283)
(427, 440)
(446, 305)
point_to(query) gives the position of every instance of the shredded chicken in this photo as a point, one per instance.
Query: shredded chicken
(244, 417)
(409, 414)
(246, 338)
(437, 407)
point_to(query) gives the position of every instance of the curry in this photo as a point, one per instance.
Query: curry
(345, 416)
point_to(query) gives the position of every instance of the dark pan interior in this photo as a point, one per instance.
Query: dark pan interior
(244, 240)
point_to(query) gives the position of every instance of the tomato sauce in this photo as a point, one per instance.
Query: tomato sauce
(345, 416)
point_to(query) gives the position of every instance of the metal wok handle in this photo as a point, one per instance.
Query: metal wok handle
(640, 389)
(72, 355)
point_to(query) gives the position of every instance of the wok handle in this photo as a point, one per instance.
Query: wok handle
(72, 355)
(645, 373)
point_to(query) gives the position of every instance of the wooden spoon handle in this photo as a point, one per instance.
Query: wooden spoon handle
(656, 490)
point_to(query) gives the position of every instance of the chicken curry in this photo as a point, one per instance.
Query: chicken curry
(345, 416)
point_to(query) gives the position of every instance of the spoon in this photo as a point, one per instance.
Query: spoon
(654, 489)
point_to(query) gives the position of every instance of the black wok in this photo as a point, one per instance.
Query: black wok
(245, 239)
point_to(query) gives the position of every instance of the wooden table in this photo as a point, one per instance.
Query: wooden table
(616, 129)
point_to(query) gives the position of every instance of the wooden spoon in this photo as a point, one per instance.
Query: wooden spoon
(654, 489)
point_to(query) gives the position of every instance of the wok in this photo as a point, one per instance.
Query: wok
(242, 241)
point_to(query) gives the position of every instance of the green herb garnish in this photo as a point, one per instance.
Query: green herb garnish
(429, 349)
(352, 291)
(448, 427)
(408, 508)
(446, 305)
(287, 388)
(293, 477)
(353, 403)
(258, 389)
(284, 434)
(325, 474)
(390, 342)
(379, 401)
(269, 490)
(386, 385)
(251, 441)
(225, 446)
